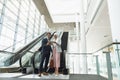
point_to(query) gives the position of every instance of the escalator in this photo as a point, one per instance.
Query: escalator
(26, 60)
(15, 61)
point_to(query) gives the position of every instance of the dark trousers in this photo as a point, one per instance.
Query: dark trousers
(44, 62)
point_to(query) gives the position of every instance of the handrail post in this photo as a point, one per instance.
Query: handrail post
(117, 53)
(109, 67)
(97, 65)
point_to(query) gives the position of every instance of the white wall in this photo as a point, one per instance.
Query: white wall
(114, 12)
(99, 33)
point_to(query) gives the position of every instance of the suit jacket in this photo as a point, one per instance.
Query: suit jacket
(45, 48)
(44, 42)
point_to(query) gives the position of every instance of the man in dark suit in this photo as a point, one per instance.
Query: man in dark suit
(45, 54)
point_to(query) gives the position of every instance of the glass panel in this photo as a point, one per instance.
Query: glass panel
(103, 64)
(74, 62)
(15, 3)
(9, 16)
(4, 57)
(12, 8)
(8, 33)
(9, 24)
(115, 60)
(6, 39)
(28, 55)
(29, 35)
(19, 44)
(91, 60)
(26, 58)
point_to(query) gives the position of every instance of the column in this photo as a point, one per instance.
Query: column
(77, 31)
(42, 25)
(39, 30)
(83, 39)
(16, 27)
(27, 24)
(2, 16)
(33, 35)
(114, 13)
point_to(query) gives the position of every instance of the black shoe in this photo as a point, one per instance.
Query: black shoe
(39, 74)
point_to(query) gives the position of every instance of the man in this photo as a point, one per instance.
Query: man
(45, 54)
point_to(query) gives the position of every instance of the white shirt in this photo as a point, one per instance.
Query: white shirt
(57, 45)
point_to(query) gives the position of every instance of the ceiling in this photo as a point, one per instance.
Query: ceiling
(41, 5)
(63, 11)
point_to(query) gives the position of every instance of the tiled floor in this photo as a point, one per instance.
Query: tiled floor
(20, 76)
(5, 75)
(35, 76)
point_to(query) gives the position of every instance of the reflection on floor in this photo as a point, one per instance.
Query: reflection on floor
(20, 75)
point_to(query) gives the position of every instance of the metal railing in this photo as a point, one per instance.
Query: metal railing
(110, 66)
(106, 46)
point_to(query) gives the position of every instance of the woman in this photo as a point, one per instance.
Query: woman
(56, 53)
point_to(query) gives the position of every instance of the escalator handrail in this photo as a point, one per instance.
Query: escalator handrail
(18, 54)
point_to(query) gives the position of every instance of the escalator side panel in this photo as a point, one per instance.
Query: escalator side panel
(64, 44)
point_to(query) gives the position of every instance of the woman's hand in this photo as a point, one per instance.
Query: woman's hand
(53, 41)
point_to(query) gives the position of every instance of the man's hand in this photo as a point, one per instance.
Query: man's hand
(48, 43)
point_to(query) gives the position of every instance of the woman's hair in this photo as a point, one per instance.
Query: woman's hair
(56, 34)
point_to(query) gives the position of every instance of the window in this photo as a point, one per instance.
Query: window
(21, 20)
